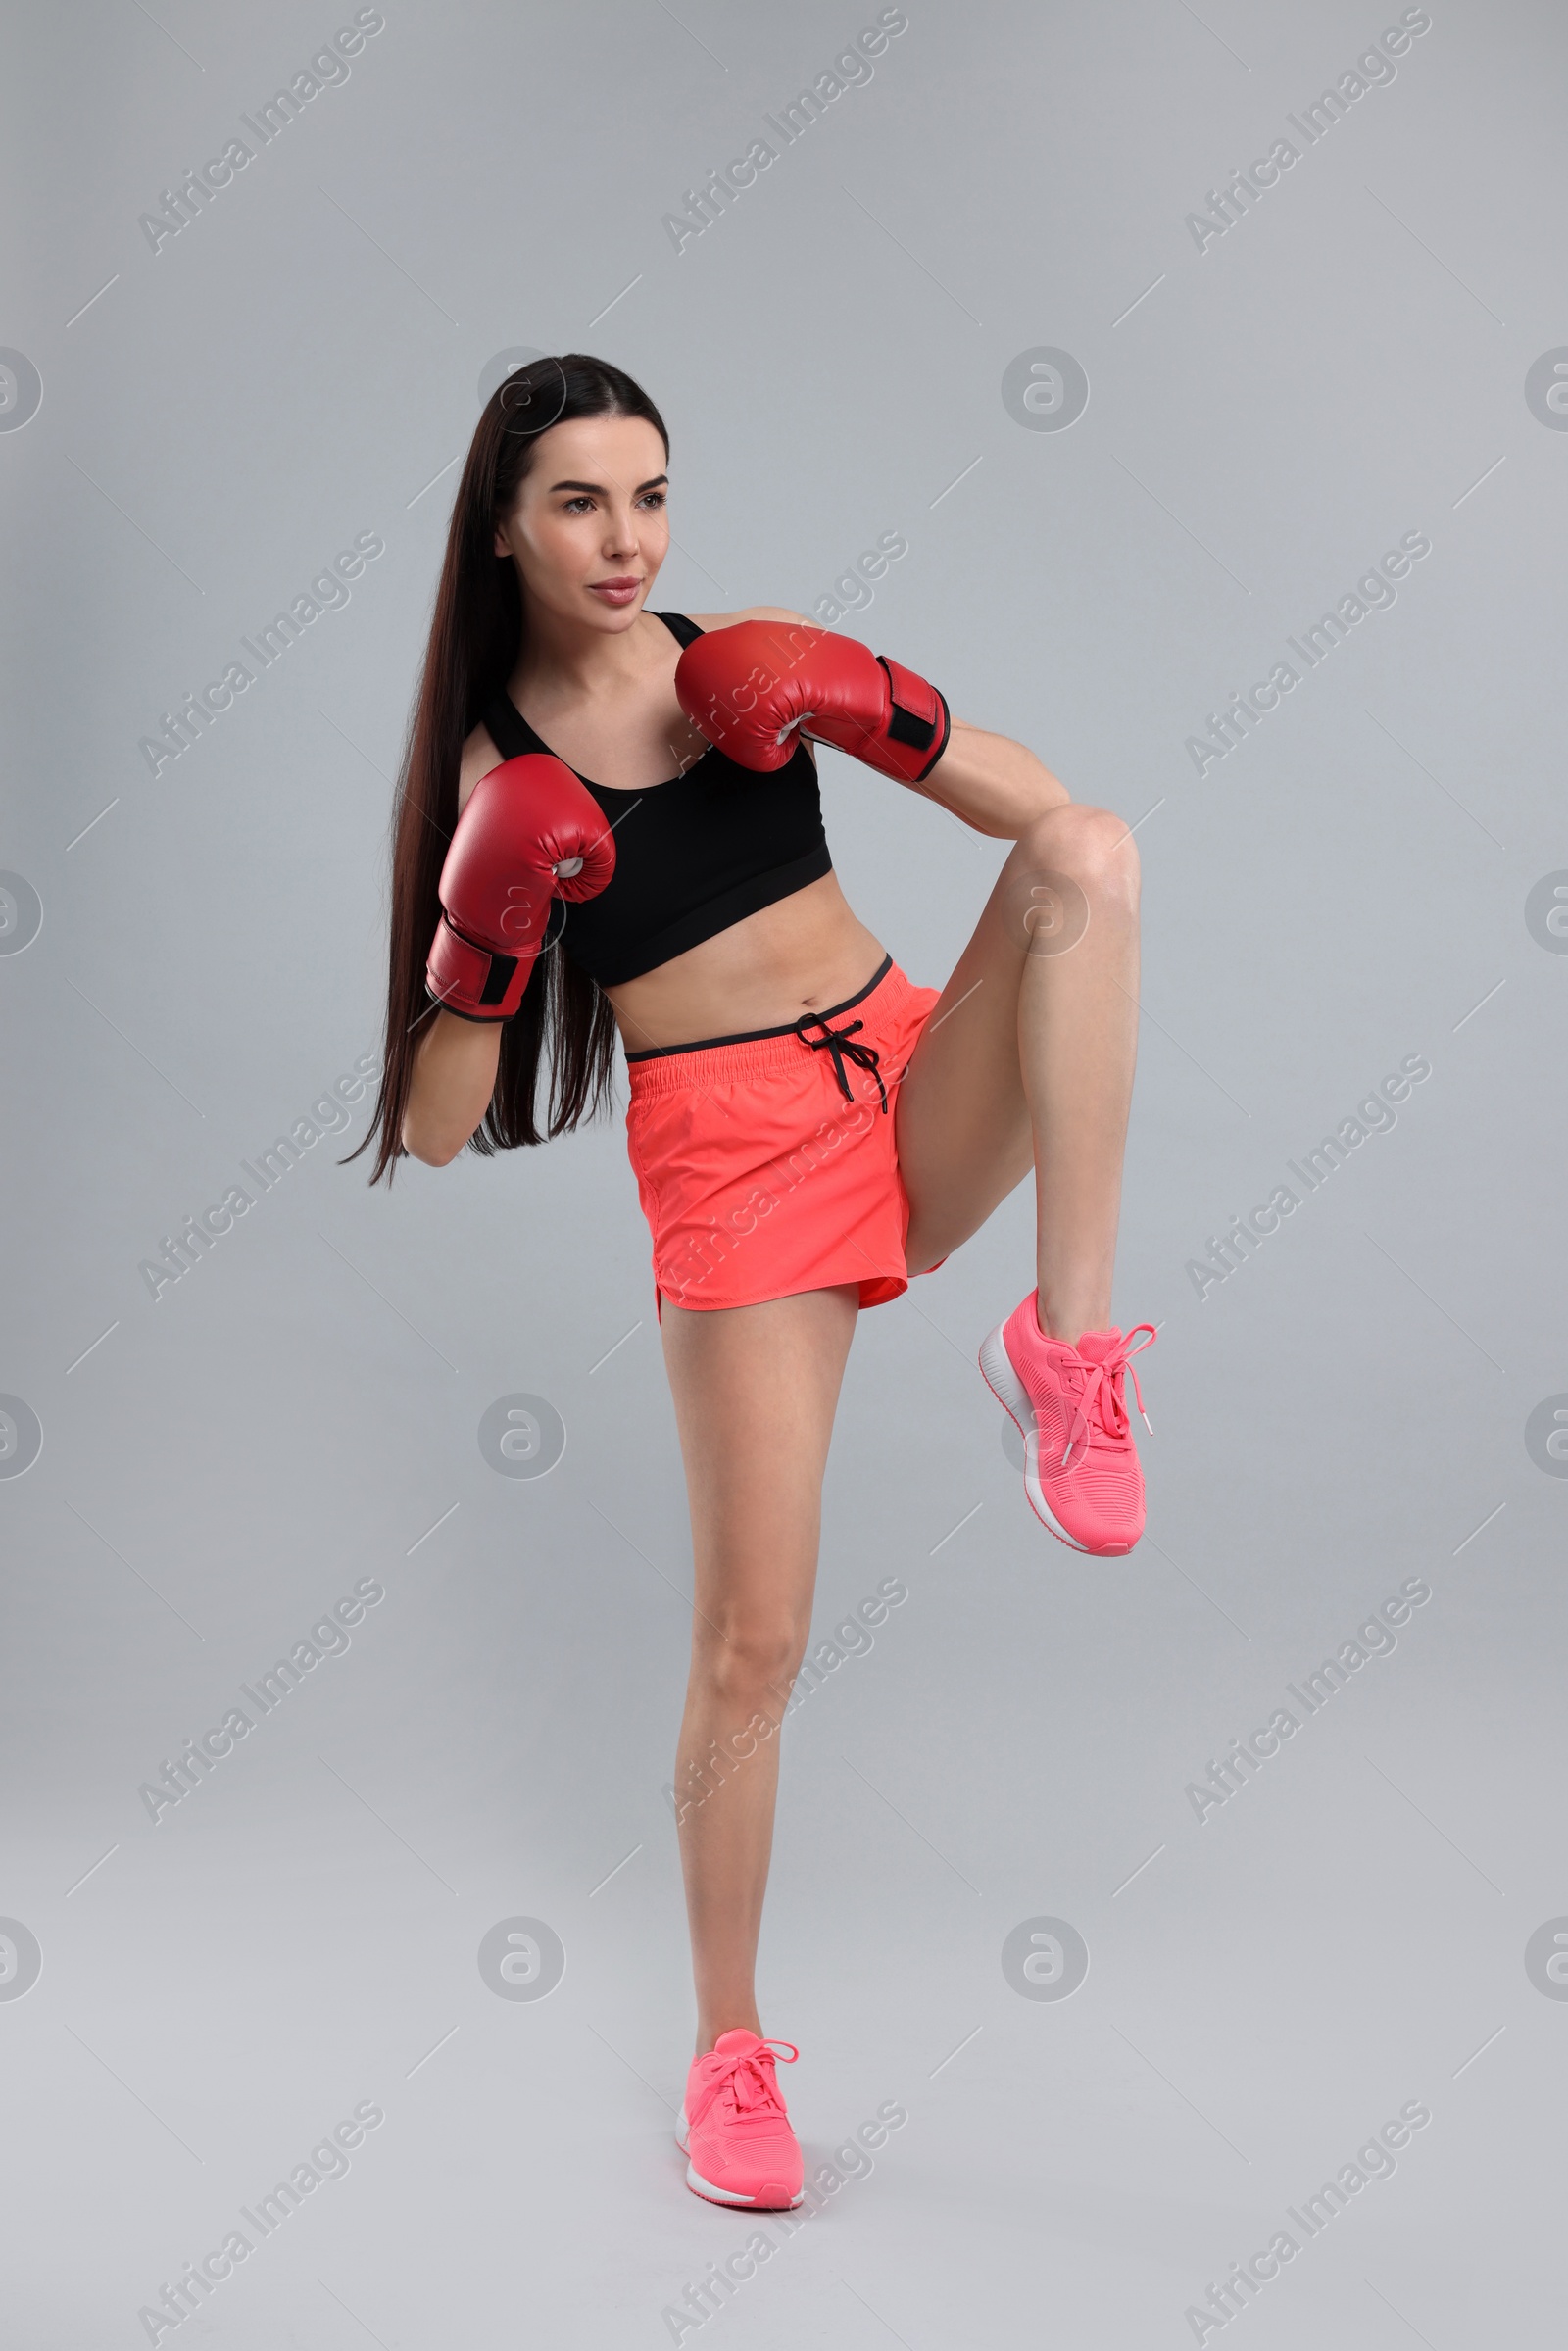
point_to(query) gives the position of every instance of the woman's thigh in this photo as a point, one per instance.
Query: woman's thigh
(962, 1118)
(964, 1137)
(755, 1388)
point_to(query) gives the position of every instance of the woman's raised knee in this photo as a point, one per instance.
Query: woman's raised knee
(1095, 847)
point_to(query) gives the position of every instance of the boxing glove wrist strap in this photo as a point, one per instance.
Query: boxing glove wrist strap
(476, 983)
(918, 728)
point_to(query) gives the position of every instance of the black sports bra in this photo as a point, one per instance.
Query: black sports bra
(692, 856)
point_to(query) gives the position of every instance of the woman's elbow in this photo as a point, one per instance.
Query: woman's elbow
(427, 1144)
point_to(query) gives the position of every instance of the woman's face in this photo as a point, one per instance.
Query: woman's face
(588, 531)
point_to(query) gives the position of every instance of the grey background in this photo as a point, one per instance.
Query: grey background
(1347, 888)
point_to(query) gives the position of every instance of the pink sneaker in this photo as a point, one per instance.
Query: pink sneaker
(1080, 1467)
(734, 2130)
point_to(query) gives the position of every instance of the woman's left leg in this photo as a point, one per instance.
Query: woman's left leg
(1027, 1058)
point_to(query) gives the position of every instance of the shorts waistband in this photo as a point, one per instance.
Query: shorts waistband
(762, 1052)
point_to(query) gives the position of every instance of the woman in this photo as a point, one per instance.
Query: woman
(809, 1128)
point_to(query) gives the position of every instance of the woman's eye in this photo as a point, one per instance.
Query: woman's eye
(573, 504)
(655, 498)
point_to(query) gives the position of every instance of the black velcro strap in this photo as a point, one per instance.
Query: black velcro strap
(904, 727)
(498, 979)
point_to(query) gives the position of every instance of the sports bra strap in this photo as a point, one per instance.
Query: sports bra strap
(507, 728)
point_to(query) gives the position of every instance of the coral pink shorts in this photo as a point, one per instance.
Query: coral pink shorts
(765, 1161)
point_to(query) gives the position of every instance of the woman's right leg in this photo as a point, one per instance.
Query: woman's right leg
(755, 1388)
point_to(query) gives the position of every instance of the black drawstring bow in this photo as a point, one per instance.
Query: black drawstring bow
(843, 1046)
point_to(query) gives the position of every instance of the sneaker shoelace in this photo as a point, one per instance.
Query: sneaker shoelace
(1103, 1400)
(749, 2079)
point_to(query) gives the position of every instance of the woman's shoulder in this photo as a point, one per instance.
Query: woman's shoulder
(753, 611)
(479, 756)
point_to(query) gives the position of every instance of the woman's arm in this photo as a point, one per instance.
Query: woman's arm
(992, 783)
(988, 781)
(455, 1060)
(455, 1066)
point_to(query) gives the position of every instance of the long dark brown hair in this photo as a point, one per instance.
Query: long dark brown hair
(476, 633)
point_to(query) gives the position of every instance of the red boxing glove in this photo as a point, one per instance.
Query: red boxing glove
(531, 832)
(750, 688)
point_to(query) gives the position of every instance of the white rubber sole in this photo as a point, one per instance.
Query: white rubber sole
(1013, 1396)
(723, 2195)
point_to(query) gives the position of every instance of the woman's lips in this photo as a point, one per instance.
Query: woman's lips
(615, 591)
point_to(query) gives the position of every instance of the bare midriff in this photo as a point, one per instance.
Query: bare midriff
(800, 954)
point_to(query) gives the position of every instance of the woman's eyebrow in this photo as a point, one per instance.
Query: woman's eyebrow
(598, 488)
